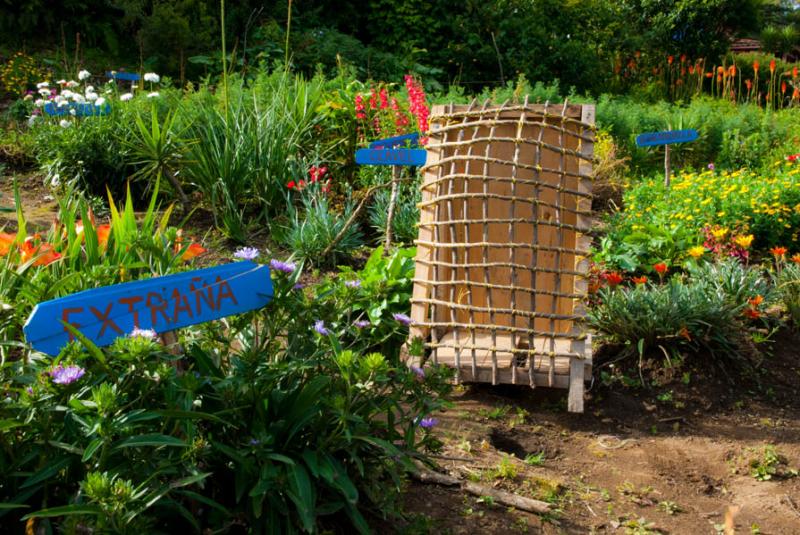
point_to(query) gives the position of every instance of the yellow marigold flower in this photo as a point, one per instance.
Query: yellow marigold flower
(719, 233)
(744, 241)
(697, 251)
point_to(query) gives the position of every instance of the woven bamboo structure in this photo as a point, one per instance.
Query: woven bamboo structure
(506, 196)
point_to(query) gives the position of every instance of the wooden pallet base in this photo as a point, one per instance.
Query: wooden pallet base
(564, 369)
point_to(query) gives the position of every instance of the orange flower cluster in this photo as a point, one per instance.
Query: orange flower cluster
(32, 249)
(752, 311)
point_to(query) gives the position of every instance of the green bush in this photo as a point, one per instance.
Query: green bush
(787, 287)
(675, 317)
(405, 218)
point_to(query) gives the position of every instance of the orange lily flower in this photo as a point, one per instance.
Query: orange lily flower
(778, 252)
(751, 313)
(195, 249)
(6, 240)
(43, 253)
(639, 280)
(103, 231)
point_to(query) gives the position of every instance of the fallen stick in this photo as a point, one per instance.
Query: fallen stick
(500, 496)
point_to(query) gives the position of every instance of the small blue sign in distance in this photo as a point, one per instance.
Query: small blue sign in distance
(161, 303)
(391, 156)
(391, 142)
(667, 137)
(82, 109)
(126, 76)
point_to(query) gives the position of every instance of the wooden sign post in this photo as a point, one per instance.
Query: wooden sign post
(162, 304)
(383, 152)
(666, 138)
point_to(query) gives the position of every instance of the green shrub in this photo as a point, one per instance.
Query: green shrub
(677, 316)
(737, 282)
(405, 218)
(312, 229)
(787, 287)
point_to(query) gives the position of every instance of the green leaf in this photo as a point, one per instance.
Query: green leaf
(47, 472)
(189, 480)
(152, 439)
(93, 350)
(64, 511)
(302, 494)
(7, 505)
(192, 415)
(10, 423)
(91, 448)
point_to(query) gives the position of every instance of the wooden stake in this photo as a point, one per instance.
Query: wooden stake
(666, 165)
(396, 170)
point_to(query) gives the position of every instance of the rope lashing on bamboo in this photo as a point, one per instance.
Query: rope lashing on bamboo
(577, 228)
(502, 287)
(515, 351)
(503, 328)
(528, 141)
(498, 197)
(500, 122)
(467, 266)
(523, 181)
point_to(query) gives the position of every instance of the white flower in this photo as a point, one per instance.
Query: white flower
(72, 83)
(100, 101)
(90, 96)
(61, 102)
(144, 333)
(41, 85)
(151, 77)
(126, 97)
(44, 92)
(64, 123)
(28, 97)
(77, 97)
(84, 75)
(38, 103)
(153, 94)
(73, 112)
(32, 120)
(90, 89)
(66, 93)
(61, 82)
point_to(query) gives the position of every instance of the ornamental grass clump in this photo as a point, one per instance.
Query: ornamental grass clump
(695, 317)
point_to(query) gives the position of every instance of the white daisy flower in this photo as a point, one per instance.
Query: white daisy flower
(38, 102)
(77, 97)
(61, 82)
(153, 94)
(91, 97)
(126, 97)
(73, 112)
(64, 123)
(72, 83)
(84, 75)
(100, 101)
(41, 85)
(66, 93)
(151, 77)
(44, 92)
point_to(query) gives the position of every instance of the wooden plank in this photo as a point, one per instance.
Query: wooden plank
(161, 304)
(576, 378)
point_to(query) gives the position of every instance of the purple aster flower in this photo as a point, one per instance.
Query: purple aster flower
(428, 423)
(246, 253)
(254, 442)
(298, 286)
(419, 371)
(319, 326)
(64, 375)
(402, 318)
(144, 333)
(711, 166)
(286, 267)
(353, 284)
(29, 390)
(362, 323)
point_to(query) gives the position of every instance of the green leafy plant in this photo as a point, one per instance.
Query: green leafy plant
(787, 287)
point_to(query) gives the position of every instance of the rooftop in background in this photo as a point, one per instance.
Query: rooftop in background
(746, 45)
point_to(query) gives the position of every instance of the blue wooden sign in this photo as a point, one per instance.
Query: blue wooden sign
(391, 156)
(382, 152)
(392, 142)
(161, 304)
(82, 109)
(668, 137)
(126, 76)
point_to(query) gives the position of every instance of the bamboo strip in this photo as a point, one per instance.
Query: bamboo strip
(533, 182)
(577, 273)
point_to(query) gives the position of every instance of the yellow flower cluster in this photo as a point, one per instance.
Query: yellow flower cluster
(742, 200)
(20, 73)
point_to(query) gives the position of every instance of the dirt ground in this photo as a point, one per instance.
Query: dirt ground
(672, 458)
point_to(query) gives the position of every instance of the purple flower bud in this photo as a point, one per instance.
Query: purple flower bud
(247, 253)
(362, 323)
(428, 423)
(353, 284)
(711, 166)
(285, 267)
(298, 286)
(402, 318)
(418, 371)
(319, 326)
(64, 375)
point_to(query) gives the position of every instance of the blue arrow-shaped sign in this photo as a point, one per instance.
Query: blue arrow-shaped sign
(161, 303)
(668, 137)
(392, 142)
(391, 156)
(82, 109)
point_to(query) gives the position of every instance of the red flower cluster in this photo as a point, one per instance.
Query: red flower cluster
(400, 118)
(360, 108)
(315, 175)
(793, 158)
(417, 105)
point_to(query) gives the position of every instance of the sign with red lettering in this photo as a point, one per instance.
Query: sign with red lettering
(161, 304)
